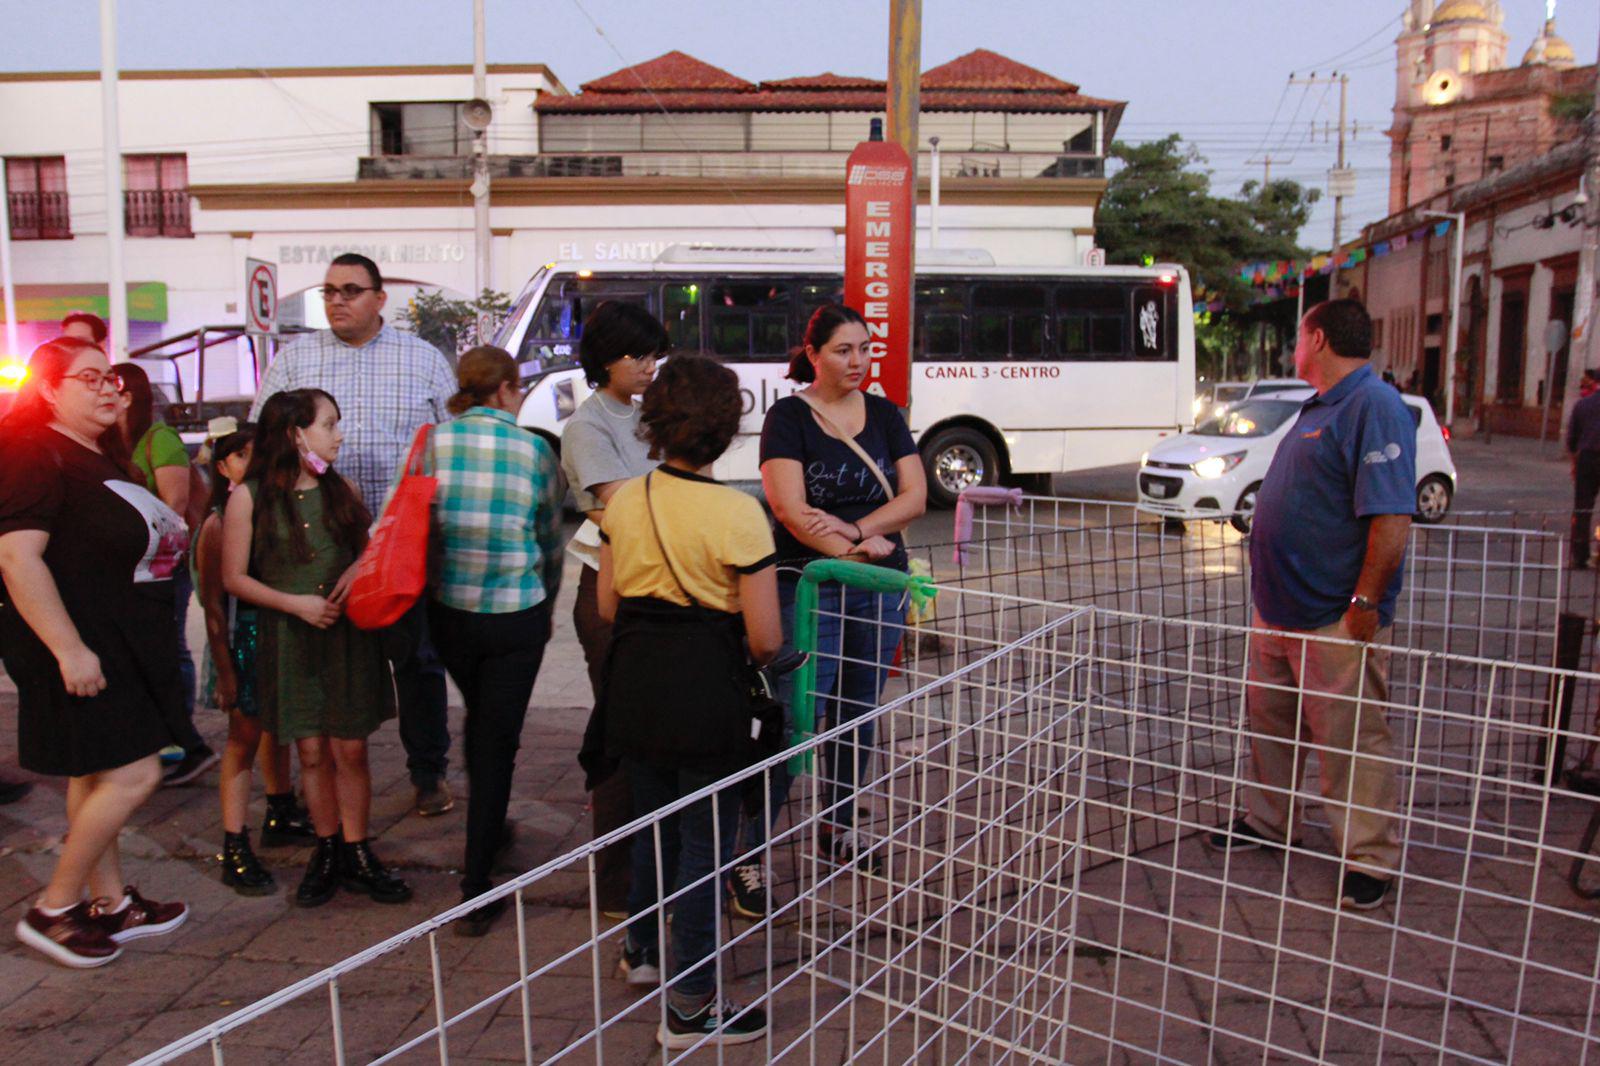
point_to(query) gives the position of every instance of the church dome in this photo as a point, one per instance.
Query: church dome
(1460, 11)
(1550, 49)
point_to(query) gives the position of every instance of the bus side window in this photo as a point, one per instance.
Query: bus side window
(1092, 321)
(941, 306)
(749, 319)
(680, 302)
(1008, 321)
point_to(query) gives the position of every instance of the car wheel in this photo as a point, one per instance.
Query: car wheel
(956, 459)
(1244, 511)
(1433, 498)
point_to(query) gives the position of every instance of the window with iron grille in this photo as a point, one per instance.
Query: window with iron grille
(155, 196)
(36, 198)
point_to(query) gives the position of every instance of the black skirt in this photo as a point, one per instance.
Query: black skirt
(134, 716)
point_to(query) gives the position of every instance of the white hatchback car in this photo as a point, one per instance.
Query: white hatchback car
(1213, 471)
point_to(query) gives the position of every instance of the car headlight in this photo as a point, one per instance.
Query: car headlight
(1217, 465)
(1144, 460)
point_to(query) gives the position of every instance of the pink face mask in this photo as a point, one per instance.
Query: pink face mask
(314, 462)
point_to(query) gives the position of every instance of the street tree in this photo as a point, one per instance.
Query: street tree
(451, 325)
(1159, 205)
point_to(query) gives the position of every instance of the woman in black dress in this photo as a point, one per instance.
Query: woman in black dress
(87, 554)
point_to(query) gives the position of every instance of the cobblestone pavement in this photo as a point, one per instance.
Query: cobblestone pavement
(235, 949)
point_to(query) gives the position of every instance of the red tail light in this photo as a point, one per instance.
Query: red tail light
(1446, 431)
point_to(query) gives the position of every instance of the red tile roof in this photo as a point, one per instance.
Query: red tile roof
(978, 81)
(673, 72)
(985, 70)
(828, 80)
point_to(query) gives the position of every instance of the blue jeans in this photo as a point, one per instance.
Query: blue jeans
(855, 647)
(688, 856)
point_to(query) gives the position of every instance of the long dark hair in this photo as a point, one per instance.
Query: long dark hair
(825, 321)
(223, 447)
(275, 467)
(48, 365)
(134, 383)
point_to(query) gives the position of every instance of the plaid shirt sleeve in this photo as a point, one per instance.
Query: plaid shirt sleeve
(548, 496)
(275, 381)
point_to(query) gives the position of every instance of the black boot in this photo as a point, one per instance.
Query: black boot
(286, 823)
(322, 874)
(241, 870)
(362, 872)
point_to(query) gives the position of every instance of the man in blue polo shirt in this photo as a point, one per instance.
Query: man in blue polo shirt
(1327, 549)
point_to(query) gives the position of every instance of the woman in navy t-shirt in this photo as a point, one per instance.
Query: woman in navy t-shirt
(829, 503)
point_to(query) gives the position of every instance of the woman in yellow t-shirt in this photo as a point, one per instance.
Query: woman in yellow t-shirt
(686, 573)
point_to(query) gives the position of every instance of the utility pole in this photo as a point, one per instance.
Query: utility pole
(1341, 179)
(10, 288)
(1338, 199)
(116, 285)
(905, 76)
(1586, 308)
(1266, 162)
(480, 168)
(904, 107)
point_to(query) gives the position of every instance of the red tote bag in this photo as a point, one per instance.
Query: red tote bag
(393, 571)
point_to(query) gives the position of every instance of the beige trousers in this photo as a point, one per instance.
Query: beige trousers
(1306, 695)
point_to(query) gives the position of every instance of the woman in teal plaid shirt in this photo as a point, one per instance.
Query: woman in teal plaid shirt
(497, 514)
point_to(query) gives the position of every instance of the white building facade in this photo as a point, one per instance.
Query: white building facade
(295, 166)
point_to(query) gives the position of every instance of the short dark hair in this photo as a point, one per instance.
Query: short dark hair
(96, 324)
(691, 410)
(613, 330)
(356, 259)
(1346, 325)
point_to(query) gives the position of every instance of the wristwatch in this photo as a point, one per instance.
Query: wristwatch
(1361, 603)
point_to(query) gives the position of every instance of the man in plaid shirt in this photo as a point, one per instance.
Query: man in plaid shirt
(388, 384)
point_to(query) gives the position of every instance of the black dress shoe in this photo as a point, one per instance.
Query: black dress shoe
(241, 870)
(477, 922)
(322, 874)
(286, 823)
(361, 871)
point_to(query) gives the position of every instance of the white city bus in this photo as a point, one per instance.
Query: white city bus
(1015, 370)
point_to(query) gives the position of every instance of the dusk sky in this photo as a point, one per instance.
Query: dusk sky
(1215, 72)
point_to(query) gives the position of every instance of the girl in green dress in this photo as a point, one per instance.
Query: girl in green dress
(291, 536)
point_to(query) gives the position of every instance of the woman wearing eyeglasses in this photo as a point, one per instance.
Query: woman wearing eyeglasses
(88, 555)
(601, 449)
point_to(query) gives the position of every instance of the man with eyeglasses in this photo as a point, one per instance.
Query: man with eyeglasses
(388, 384)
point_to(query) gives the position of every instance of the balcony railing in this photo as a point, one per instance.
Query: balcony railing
(156, 213)
(714, 165)
(39, 216)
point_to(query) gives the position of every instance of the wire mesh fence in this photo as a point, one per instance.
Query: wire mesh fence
(1019, 891)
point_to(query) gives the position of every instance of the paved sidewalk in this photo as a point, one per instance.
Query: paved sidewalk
(234, 949)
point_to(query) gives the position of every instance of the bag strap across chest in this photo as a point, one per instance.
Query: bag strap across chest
(849, 442)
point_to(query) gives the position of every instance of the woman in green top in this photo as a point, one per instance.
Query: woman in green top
(157, 451)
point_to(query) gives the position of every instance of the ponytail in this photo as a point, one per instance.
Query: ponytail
(800, 368)
(825, 321)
